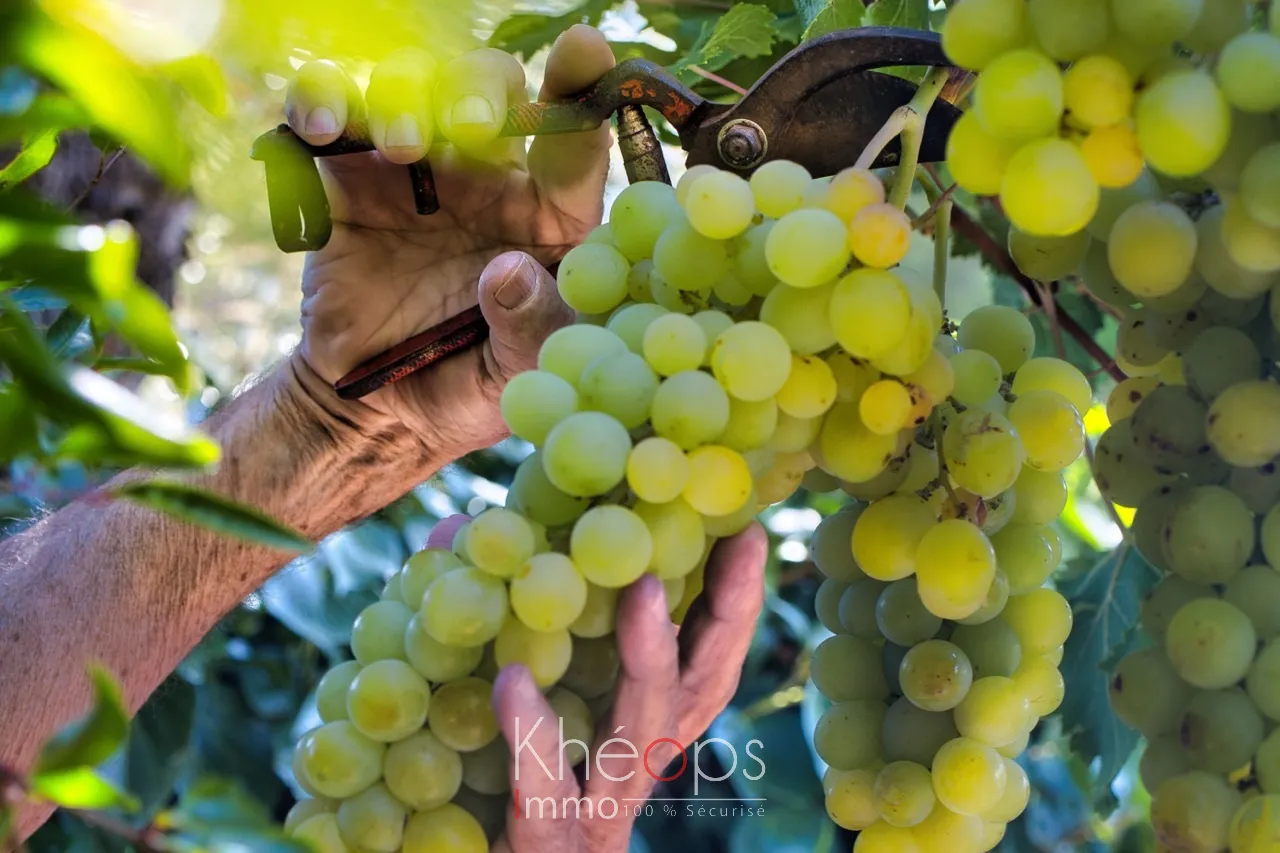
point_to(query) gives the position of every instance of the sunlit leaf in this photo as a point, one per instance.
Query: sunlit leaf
(91, 740)
(746, 30)
(80, 788)
(202, 79)
(526, 34)
(911, 14)
(36, 152)
(826, 16)
(51, 111)
(215, 512)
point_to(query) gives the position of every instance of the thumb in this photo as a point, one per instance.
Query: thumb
(522, 305)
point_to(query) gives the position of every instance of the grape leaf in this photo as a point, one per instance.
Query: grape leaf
(526, 34)
(1104, 600)
(213, 512)
(831, 16)
(746, 30)
(912, 14)
(80, 788)
(36, 152)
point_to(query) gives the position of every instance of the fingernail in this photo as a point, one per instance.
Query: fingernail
(472, 109)
(321, 122)
(403, 132)
(517, 288)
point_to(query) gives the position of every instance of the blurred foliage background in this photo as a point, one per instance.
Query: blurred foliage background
(125, 127)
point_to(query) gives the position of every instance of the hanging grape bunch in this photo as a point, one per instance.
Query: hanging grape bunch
(1186, 253)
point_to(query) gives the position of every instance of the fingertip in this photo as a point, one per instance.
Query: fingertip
(399, 103)
(580, 57)
(472, 95)
(514, 693)
(318, 103)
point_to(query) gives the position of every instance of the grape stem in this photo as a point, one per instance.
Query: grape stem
(941, 248)
(908, 122)
(717, 79)
(967, 227)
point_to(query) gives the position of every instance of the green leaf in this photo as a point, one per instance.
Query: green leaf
(526, 34)
(6, 826)
(746, 30)
(52, 111)
(160, 746)
(37, 150)
(1105, 601)
(829, 16)
(214, 512)
(80, 788)
(911, 14)
(92, 740)
(19, 432)
(69, 336)
(213, 802)
(202, 79)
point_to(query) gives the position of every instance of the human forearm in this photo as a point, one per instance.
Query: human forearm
(135, 591)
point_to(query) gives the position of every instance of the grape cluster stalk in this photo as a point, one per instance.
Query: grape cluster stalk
(1135, 144)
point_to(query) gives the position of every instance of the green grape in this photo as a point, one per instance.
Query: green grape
(1000, 331)
(687, 180)
(751, 360)
(1254, 825)
(1044, 169)
(1174, 310)
(592, 278)
(826, 604)
(599, 613)
(639, 214)
(1260, 181)
(993, 606)
(436, 661)
(1249, 72)
(831, 548)
(724, 526)
(488, 769)
(378, 632)
(687, 260)
(677, 535)
(331, 692)
(847, 735)
(935, 675)
(338, 761)
(794, 435)
(778, 187)
(1151, 248)
(1053, 374)
(1266, 764)
(751, 425)
(1128, 395)
(1017, 793)
(902, 616)
(857, 608)
(870, 312)
(878, 488)
(944, 829)
(1258, 487)
(320, 833)
(640, 291)
(891, 658)
(372, 820)
(568, 351)
(886, 535)
(620, 385)
(983, 451)
(586, 454)
(719, 481)
(391, 591)
(994, 711)
(1042, 684)
(1147, 693)
(500, 542)
(1040, 618)
(1121, 473)
(465, 607)
(1209, 535)
(977, 375)
(611, 546)
(810, 389)
(1100, 281)
(1155, 22)
(819, 482)
(548, 593)
(750, 264)
(446, 829)
(1026, 556)
(882, 837)
(850, 451)
(1262, 683)
(1220, 730)
(846, 667)
(539, 499)
(1175, 330)
(1269, 536)
(461, 714)
(1218, 358)
(1149, 525)
(992, 648)
(1019, 95)
(1193, 810)
(977, 159)
(719, 205)
(690, 409)
(1114, 201)
(955, 566)
(1051, 429)
(674, 343)
(713, 325)
(969, 777)
(1047, 258)
(421, 771)
(388, 700)
(1165, 599)
(1210, 643)
(630, 322)
(983, 32)
(593, 669)
(1163, 758)
(1182, 119)
(1229, 239)
(903, 793)
(850, 798)
(911, 733)
(1098, 89)
(305, 809)
(1135, 344)
(807, 248)
(1219, 21)
(1242, 423)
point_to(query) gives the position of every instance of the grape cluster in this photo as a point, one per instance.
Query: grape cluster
(946, 638)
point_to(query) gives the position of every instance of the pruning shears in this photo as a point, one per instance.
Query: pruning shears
(818, 106)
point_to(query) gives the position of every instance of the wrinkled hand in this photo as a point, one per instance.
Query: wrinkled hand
(672, 683)
(389, 273)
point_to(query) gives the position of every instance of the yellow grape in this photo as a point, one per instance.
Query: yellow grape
(955, 566)
(886, 407)
(545, 653)
(904, 793)
(1098, 91)
(1019, 95)
(810, 389)
(946, 830)
(1042, 684)
(977, 159)
(969, 777)
(936, 377)
(852, 190)
(657, 470)
(995, 711)
(848, 449)
(719, 480)
(1017, 793)
(1054, 374)
(751, 360)
(1041, 619)
(1051, 429)
(1183, 122)
(983, 452)
(1048, 189)
(880, 235)
(981, 32)
(447, 829)
(870, 312)
(887, 533)
(850, 797)
(778, 187)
